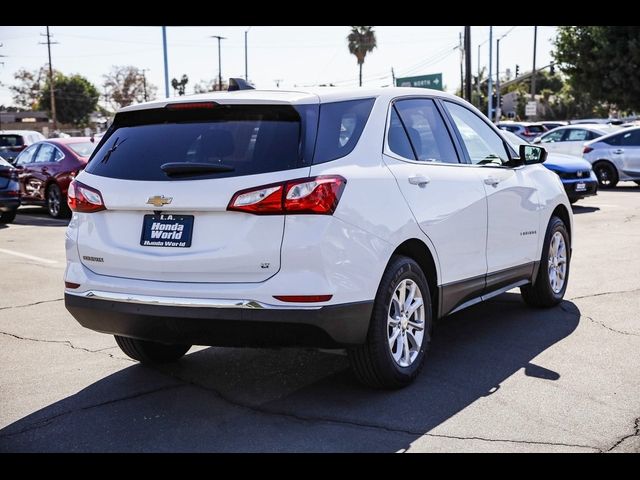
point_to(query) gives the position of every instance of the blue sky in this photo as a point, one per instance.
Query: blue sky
(294, 55)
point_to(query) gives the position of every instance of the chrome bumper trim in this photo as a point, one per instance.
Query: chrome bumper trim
(186, 302)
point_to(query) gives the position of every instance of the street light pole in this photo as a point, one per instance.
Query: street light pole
(533, 71)
(166, 62)
(498, 112)
(246, 56)
(490, 85)
(219, 60)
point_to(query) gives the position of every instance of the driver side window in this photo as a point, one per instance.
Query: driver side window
(483, 145)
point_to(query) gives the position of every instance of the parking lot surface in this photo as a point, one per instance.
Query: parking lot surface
(500, 376)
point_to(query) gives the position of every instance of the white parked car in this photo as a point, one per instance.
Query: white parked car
(330, 218)
(570, 139)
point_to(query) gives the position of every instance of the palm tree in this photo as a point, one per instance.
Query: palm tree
(362, 40)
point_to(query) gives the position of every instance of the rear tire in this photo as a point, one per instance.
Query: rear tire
(8, 217)
(151, 352)
(400, 328)
(57, 202)
(547, 291)
(606, 173)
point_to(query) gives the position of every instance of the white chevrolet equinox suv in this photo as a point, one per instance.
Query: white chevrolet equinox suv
(329, 218)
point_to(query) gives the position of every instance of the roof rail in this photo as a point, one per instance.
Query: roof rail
(238, 84)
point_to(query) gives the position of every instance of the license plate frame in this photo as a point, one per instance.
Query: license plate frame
(167, 230)
(581, 187)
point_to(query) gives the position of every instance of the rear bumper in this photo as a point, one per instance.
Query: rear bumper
(244, 324)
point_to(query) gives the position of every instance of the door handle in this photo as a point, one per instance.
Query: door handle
(493, 181)
(419, 180)
(618, 151)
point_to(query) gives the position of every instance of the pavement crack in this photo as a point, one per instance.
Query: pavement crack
(597, 322)
(259, 409)
(46, 421)
(604, 293)
(32, 304)
(66, 343)
(636, 432)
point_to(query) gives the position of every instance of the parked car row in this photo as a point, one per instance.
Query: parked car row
(41, 175)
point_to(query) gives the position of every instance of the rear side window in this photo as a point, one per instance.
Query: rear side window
(249, 139)
(426, 130)
(615, 140)
(340, 127)
(83, 149)
(11, 140)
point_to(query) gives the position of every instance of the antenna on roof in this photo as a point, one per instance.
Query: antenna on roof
(238, 84)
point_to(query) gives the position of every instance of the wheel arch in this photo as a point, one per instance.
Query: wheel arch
(417, 250)
(563, 214)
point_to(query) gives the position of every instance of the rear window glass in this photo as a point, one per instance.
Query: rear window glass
(84, 149)
(536, 128)
(11, 140)
(249, 139)
(340, 127)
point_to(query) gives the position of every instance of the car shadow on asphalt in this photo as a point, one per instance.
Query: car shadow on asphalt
(583, 209)
(234, 400)
(38, 216)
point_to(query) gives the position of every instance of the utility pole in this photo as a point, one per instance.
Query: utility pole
(533, 71)
(1, 63)
(144, 83)
(467, 61)
(51, 86)
(490, 85)
(246, 56)
(393, 77)
(166, 62)
(461, 64)
(219, 60)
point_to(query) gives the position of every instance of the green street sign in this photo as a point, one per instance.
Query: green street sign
(433, 81)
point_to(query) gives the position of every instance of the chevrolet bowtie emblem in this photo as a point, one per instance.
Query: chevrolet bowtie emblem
(159, 200)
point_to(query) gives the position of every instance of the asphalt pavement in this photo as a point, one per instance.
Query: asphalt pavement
(500, 377)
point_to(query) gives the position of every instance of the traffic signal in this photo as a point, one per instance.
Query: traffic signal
(552, 69)
(517, 70)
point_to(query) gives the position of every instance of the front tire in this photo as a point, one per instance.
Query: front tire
(400, 328)
(553, 274)
(151, 352)
(606, 173)
(8, 217)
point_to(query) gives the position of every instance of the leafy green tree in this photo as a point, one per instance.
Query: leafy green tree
(76, 98)
(361, 41)
(601, 62)
(29, 84)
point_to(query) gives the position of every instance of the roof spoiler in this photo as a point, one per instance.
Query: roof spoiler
(238, 84)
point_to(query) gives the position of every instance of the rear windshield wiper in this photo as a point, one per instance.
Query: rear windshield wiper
(174, 169)
(113, 148)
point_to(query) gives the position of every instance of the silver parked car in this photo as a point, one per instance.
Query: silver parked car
(570, 139)
(615, 157)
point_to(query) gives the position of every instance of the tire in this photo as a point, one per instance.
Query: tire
(56, 202)
(151, 352)
(8, 217)
(606, 173)
(373, 362)
(543, 294)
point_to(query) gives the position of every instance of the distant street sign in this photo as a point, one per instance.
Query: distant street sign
(433, 81)
(531, 109)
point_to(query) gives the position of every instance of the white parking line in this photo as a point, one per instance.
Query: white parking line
(27, 256)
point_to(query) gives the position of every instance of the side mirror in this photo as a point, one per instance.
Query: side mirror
(530, 154)
(537, 140)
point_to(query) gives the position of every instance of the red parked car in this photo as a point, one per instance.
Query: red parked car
(47, 167)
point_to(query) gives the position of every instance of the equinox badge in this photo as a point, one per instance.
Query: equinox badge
(159, 200)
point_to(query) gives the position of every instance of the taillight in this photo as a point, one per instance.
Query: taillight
(303, 298)
(315, 195)
(587, 150)
(526, 132)
(84, 199)
(71, 285)
(19, 148)
(191, 106)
